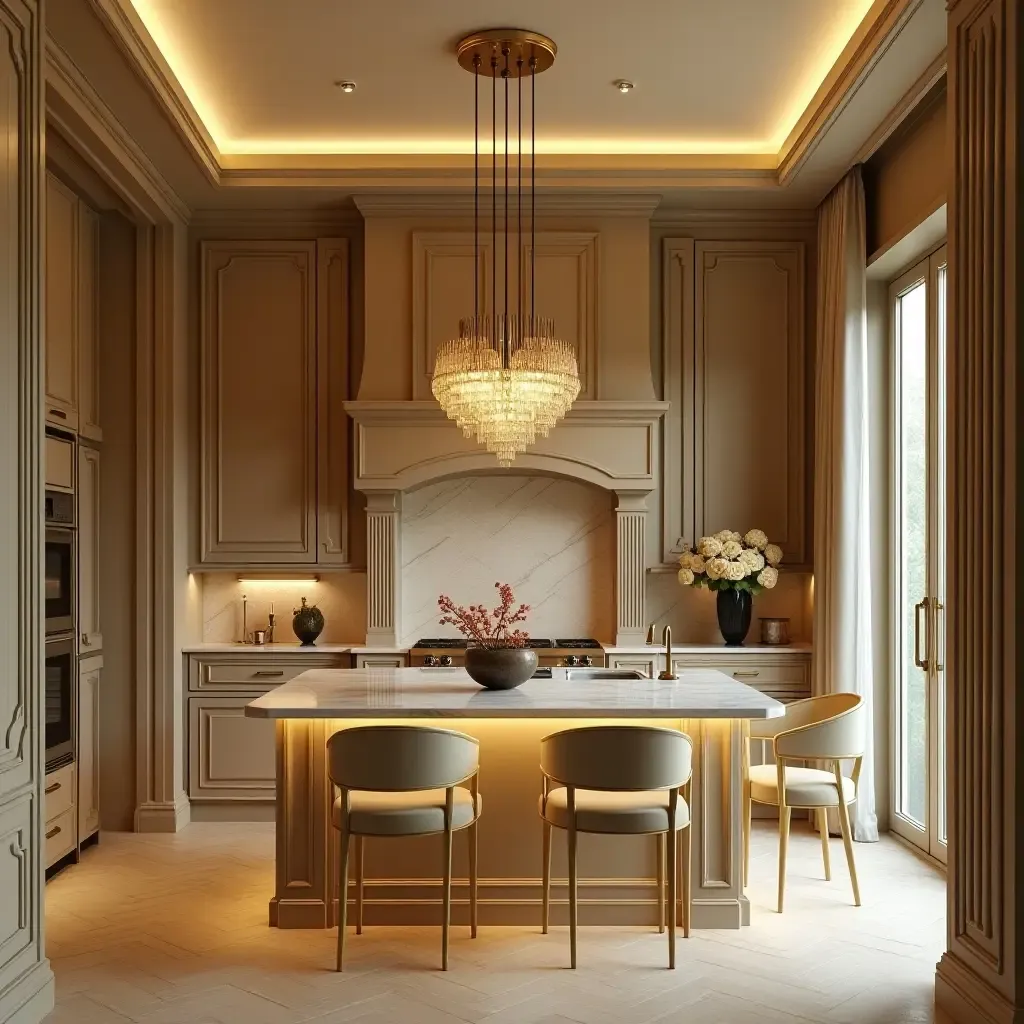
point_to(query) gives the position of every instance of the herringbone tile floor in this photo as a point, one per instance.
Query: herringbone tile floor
(127, 943)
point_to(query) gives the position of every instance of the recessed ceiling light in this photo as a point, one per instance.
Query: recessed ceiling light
(346, 86)
(623, 86)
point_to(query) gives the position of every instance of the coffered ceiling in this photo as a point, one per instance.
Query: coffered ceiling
(731, 76)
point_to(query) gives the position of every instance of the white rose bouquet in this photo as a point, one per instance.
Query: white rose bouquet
(731, 561)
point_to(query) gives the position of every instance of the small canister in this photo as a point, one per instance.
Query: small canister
(259, 637)
(774, 632)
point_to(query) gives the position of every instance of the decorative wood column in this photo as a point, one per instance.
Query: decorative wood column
(383, 568)
(631, 567)
(980, 978)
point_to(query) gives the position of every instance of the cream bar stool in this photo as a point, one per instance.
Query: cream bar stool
(829, 728)
(620, 780)
(399, 780)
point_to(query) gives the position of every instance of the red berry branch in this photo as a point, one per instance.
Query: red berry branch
(488, 628)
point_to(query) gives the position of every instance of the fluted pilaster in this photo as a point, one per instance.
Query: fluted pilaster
(383, 568)
(981, 976)
(631, 566)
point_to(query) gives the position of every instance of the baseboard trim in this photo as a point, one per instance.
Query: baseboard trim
(962, 997)
(30, 998)
(247, 811)
(163, 817)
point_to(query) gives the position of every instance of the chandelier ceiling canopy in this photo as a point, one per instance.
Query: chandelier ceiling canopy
(506, 379)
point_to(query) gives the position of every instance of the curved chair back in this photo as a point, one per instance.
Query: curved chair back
(827, 727)
(617, 757)
(392, 758)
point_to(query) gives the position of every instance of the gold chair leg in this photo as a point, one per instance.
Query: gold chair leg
(473, 852)
(687, 844)
(547, 878)
(342, 899)
(447, 912)
(784, 816)
(661, 883)
(670, 855)
(572, 898)
(360, 840)
(844, 825)
(823, 829)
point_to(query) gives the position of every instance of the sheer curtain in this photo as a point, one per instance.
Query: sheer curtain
(842, 568)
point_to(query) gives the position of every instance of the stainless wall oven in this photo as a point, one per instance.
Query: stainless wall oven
(59, 580)
(59, 702)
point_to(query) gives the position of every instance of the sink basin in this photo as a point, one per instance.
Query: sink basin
(604, 673)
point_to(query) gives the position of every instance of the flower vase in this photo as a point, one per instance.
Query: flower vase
(734, 608)
(500, 668)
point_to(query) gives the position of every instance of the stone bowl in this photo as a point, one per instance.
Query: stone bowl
(500, 668)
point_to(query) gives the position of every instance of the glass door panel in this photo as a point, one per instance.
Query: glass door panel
(918, 313)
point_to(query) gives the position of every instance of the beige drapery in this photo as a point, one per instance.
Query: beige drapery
(842, 570)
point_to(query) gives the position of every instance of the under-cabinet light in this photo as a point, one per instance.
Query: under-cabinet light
(284, 580)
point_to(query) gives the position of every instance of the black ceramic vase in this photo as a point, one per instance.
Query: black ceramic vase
(734, 608)
(308, 624)
(500, 668)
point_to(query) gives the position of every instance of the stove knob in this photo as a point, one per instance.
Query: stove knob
(586, 660)
(446, 660)
(429, 660)
(571, 660)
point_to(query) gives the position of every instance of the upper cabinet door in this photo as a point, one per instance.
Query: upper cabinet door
(259, 402)
(62, 310)
(88, 332)
(90, 629)
(749, 397)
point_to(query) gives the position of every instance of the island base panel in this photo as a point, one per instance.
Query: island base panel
(617, 883)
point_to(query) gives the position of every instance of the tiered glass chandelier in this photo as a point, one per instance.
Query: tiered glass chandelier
(506, 379)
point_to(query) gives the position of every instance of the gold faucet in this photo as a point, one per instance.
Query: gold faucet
(669, 671)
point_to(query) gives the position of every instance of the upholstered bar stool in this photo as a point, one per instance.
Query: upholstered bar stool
(619, 780)
(399, 780)
(827, 729)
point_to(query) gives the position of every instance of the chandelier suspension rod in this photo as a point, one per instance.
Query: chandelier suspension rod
(476, 191)
(533, 187)
(505, 346)
(519, 190)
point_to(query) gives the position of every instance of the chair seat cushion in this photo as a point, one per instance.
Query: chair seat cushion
(625, 813)
(805, 787)
(405, 814)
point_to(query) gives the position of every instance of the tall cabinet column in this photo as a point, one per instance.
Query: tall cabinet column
(383, 568)
(981, 975)
(26, 983)
(631, 567)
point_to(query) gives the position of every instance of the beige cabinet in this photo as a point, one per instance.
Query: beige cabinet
(59, 802)
(87, 345)
(274, 434)
(89, 673)
(90, 631)
(59, 463)
(380, 660)
(61, 305)
(735, 354)
(649, 664)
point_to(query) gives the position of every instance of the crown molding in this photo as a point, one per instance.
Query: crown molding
(865, 49)
(605, 204)
(66, 80)
(125, 25)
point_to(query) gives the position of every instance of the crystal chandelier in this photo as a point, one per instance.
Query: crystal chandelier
(506, 379)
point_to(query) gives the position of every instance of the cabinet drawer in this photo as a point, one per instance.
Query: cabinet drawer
(59, 836)
(59, 463)
(231, 757)
(650, 665)
(380, 661)
(59, 791)
(255, 671)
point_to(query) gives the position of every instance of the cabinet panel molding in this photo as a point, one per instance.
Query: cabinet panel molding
(87, 339)
(334, 436)
(749, 399)
(259, 399)
(62, 308)
(231, 757)
(17, 878)
(89, 675)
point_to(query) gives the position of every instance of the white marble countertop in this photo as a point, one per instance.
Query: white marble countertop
(682, 649)
(450, 693)
(288, 648)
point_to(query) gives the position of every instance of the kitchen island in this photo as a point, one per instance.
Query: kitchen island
(617, 874)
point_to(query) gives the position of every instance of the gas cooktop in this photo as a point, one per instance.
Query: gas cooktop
(538, 643)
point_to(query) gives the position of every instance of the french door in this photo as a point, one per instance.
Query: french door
(917, 308)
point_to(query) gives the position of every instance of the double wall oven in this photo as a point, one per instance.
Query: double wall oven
(59, 590)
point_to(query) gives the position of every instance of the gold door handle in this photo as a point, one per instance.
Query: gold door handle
(918, 660)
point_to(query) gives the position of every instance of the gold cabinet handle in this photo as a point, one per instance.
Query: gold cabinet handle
(59, 413)
(268, 673)
(51, 789)
(53, 832)
(920, 662)
(746, 672)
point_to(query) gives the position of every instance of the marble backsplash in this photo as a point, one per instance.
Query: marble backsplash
(552, 539)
